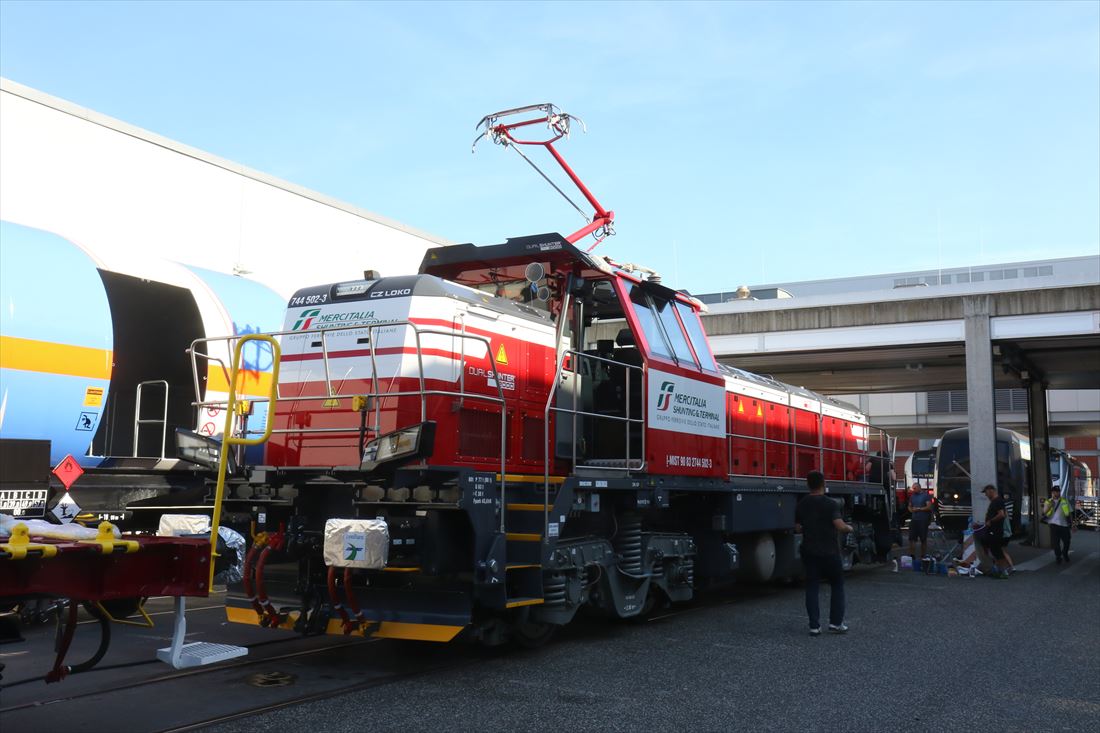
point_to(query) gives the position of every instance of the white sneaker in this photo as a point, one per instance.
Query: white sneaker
(815, 631)
(841, 628)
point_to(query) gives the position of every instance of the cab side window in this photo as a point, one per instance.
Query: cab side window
(698, 338)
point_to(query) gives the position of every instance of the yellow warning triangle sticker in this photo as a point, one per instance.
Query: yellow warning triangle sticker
(741, 407)
(502, 356)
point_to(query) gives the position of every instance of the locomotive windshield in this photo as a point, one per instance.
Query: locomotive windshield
(666, 312)
(651, 327)
(671, 329)
(954, 458)
(695, 334)
(923, 463)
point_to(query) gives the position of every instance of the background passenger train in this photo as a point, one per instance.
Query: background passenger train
(920, 467)
(953, 482)
(1074, 477)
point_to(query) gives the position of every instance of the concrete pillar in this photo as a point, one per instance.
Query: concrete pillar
(1039, 431)
(981, 417)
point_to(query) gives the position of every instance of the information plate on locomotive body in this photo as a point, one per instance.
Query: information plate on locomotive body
(23, 502)
(683, 405)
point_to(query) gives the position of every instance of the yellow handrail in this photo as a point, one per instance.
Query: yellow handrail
(229, 439)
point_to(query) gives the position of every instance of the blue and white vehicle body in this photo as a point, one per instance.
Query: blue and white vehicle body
(93, 358)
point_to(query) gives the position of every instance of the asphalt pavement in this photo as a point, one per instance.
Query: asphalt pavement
(924, 653)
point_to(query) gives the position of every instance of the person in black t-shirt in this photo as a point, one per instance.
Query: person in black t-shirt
(991, 533)
(817, 518)
(879, 471)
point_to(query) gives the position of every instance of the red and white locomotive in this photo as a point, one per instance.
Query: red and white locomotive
(518, 431)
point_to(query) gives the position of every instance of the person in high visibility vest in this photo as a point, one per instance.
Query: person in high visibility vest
(1058, 515)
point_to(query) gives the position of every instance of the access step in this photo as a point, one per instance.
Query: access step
(196, 653)
(517, 602)
(199, 654)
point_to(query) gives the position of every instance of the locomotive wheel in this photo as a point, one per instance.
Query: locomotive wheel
(655, 602)
(531, 634)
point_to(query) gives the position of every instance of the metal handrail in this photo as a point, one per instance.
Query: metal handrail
(376, 394)
(579, 356)
(228, 439)
(764, 441)
(332, 393)
(550, 407)
(138, 421)
(197, 402)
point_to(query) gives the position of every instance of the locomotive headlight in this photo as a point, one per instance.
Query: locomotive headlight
(353, 288)
(410, 442)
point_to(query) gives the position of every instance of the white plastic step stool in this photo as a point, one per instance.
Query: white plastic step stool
(197, 653)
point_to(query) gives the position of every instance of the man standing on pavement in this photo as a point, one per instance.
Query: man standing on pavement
(920, 518)
(992, 532)
(1058, 515)
(817, 518)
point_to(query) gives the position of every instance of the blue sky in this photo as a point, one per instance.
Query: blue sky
(736, 142)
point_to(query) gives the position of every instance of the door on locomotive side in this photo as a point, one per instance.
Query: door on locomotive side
(685, 396)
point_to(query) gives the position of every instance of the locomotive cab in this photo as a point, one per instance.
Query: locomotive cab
(635, 380)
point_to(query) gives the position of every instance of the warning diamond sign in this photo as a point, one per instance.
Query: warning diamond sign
(66, 509)
(68, 471)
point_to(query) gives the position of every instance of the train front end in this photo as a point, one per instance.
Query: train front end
(403, 403)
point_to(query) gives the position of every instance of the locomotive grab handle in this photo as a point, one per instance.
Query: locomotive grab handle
(229, 439)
